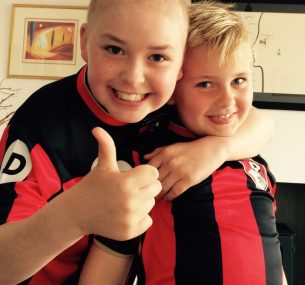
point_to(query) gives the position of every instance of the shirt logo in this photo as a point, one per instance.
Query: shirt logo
(257, 172)
(16, 164)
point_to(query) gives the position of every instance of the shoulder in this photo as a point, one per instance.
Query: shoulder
(59, 89)
(47, 98)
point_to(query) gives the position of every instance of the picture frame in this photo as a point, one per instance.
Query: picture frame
(45, 41)
(279, 74)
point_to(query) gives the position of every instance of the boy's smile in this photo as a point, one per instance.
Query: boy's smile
(222, 119)
(215, 98)
(134, 56)
(130, 97)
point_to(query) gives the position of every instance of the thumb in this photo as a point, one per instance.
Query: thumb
(106, 150)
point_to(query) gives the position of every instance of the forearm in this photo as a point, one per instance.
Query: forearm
(102, 267)
(251, 138)
(27, 245)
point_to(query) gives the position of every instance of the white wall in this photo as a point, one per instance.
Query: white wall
(286, 153)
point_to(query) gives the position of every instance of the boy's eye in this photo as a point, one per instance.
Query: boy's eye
(114, 50)
(204, 84)
(157, 57)
(238, 81)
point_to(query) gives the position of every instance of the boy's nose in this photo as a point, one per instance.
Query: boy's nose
(133, 73)
(226, 97)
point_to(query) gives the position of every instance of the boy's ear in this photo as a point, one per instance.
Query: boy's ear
(83, 41)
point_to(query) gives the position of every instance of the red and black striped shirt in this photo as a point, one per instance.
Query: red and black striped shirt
(221, 231)
(46, 148)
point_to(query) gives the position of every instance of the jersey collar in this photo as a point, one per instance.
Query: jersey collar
(176, 126)
(180, 130)
(92, 103)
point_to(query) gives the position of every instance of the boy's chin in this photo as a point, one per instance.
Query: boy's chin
(228, 133)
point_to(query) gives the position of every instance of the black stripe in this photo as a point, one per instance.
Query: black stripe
(198, 259)
(263, 209)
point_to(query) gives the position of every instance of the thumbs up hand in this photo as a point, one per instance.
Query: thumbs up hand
(115, 204)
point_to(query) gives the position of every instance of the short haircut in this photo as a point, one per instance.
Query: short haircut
(215, 27)
(97, 5)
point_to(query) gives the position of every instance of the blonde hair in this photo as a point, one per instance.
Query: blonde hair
(216, 28)
(97, 5)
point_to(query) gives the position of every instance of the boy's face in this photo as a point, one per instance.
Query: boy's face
(134, 53)
(215, 99)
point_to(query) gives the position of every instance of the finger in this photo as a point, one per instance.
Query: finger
(168, 182)
(146, 207)
(139, 220)
(155, 161)
(163, 172)
(161, 194)
(142, 175)
(106, 150)
(144, 224)
(153, 153)
(150, 191)
(177, 189)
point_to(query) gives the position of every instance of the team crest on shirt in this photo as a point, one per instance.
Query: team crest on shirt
(257, 172)
(16, 164)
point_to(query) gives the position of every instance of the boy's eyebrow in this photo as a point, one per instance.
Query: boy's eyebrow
(205, 77)
(211, 77)
(161, 47)
(120, 41)
(113, 38)
(243, 73)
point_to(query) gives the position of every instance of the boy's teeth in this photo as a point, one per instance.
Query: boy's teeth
(225, 116)
(129, 96)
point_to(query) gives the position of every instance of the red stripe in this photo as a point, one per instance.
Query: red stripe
(181, 130)
(136, 158)
(41, 184)
(3, 143)
(90, 101)
(241, 244)
(32, 194)
(71, 183)
(159, 247)
(273, 191)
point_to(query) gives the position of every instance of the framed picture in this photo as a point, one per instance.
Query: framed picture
(45, 41)
(277, 33)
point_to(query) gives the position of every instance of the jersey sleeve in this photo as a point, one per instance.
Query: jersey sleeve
(27, 178)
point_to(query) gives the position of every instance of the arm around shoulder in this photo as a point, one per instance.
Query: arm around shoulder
(252, 136)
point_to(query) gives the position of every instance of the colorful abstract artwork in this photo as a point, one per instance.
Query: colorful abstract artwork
(49, 40)
(45, 41)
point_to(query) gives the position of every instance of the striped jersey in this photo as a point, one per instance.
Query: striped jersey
(219, 232)
(46, 148)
